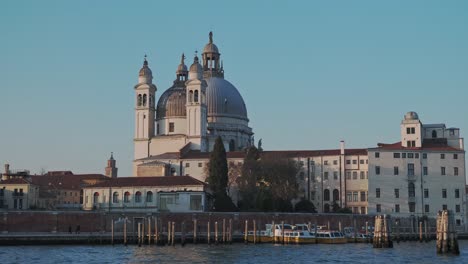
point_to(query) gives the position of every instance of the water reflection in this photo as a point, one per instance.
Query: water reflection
(413, 252)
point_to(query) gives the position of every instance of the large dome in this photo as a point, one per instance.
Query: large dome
(223, 99)
(172, 103)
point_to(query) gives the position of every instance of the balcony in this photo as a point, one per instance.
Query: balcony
(412, 199)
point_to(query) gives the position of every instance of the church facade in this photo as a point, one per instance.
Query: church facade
(199, 106)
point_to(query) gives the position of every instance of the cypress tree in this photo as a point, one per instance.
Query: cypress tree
(218, 170)
(218, 178)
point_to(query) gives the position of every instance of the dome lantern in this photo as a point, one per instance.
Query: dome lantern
(145, 75)
(196, 70)
(182, 71)
(211, 59)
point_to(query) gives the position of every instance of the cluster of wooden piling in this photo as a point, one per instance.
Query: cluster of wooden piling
(382, 232)
(446, 235)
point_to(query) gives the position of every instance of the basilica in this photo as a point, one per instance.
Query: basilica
(199, 106)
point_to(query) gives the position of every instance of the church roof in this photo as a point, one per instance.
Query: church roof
(428, 146)
(162, 181)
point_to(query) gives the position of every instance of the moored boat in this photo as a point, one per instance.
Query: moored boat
(330, 237)
(299, 237)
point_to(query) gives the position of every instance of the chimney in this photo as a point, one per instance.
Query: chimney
(7, 168)
(342, 147)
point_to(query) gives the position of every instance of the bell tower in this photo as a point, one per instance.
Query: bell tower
(144, 111)
(196, 107)
(111, 170)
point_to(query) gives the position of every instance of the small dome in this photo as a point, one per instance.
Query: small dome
(223, 99)
(411, 116)
(182, 68)
(172, 103)
(210, 47)
(145, 71)
(196, 70)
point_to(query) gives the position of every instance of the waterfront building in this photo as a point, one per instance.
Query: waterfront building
(199, 106)
(147, 194)
(421, 174)
(54, 190)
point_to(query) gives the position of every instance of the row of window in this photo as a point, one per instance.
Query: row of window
(348, 162)
(411, 192)
(142, 98)
(411, 155)
(115, 197)
(411, 170)
(356, 196)
(412, 206)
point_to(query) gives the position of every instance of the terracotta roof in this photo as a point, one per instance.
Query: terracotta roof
(69, 182)
(15, 181)
(150, 181)
(427, 146)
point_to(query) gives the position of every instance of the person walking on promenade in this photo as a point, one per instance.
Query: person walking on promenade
(77, 231)
(69, 229)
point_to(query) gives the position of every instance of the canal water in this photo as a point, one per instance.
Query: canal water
(405, 252)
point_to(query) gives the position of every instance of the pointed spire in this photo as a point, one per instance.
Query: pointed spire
(112, 156)
(182, 58)
(211, 37)
(145, 62)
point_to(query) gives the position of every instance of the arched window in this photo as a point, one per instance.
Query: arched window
(326, 195)
(149, 197)
(232, 145)
(96, 198)
(137, 197)
(434, 134)
(139, 100)
(326, 208)
(144, 100)
(126, 197)
(196, 96)
(411, 190)
(115, 197)
(190, 96)
(336, 195)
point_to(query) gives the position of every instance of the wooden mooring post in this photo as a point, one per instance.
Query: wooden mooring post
(125, 231)
(420, 231)
(182, 234)
(382, 232)
(173, 234)
(169, 233)
(208, 233)
(139, 234)
(254, 232)
(112, 231)
(195, 231)
(246, 230)
(446, 235)
(216, 233)
(224, 231)
(156, 231)
(149, 231)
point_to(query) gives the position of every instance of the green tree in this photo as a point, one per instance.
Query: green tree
(305, 206)
(218, 178)
(280, 175)
(218, 168)
(249, 180)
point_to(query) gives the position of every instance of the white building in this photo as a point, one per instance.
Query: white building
(200, 106)
(146, 194)
(421, 174)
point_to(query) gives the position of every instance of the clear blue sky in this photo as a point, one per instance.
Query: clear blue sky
(311, 72)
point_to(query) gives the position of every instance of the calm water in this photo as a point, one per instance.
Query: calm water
(412, 252)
